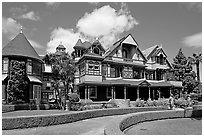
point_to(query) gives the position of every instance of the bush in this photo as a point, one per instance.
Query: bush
(149, 102)
(181, 102)
(139, 103)
(73, 97)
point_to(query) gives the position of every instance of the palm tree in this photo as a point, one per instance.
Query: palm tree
(196, 59)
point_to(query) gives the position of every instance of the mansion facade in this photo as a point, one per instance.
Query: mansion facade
(123, 71)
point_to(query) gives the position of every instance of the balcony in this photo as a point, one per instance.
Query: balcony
(127, 60)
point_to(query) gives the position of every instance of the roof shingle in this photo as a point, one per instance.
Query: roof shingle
(20, 46)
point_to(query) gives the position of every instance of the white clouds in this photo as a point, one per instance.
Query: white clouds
(22, 13)
(193, 40)
(53, 5)
(30, 15)
(192, 5)
(11, 28)
(67, 36)
(106, 22)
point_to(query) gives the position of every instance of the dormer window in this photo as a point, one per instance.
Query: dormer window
(96, 50)
(124, 53)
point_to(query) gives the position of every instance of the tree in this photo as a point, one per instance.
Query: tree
(181, 66)
(17, 84)
(183, 72)
(196, 59)
(63, 72)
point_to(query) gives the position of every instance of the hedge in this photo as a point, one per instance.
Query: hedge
(8, 108)
(55, 119)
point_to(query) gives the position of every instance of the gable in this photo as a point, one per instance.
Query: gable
(130, 40)
(144, 83)
(159, 52)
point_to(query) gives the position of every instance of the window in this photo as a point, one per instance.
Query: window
(108, 92)
(5, 65)
(93, 92)
(93, 68)
(96, 50)
(161, 59)
(29, 66)
(36, 92)
(136, 74)
(82, 68)
(112, 72)
(127, 72)
(104, 71)
(124, 53)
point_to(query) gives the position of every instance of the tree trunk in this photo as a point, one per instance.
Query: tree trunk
(198, 71)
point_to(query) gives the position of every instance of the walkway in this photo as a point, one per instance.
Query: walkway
(94, 126)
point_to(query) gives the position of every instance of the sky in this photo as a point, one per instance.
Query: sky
(172, 25)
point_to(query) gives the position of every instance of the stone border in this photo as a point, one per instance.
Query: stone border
(55, 119)
(117, 126)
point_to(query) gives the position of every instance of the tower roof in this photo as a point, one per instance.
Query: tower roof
(20, 46)
(78, 44)
(60, 46)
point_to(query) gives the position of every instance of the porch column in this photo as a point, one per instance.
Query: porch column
(86, 90)
(112, 93)
(153, 94)
(138, 94)
(144, 75)
(159, 93)
(155, 75)
(125, 90)
(170, 92)
(149, 93)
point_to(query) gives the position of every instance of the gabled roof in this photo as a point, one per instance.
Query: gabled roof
(20, 46)
(87, 44)
(153, 51)
(118, 43)
(98, 44)
(158, 50)
(147, 52)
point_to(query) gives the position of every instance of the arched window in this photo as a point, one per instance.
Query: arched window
(124, 53)
(96, 50)
(161, 59)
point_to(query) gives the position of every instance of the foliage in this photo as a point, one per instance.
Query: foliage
(181, 66)
(196, 59)
(139, 103)
(181, 102)
(73, 97)
(63, 73)
(17, 84)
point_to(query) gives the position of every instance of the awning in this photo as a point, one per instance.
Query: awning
(4, 76)
(34, 79)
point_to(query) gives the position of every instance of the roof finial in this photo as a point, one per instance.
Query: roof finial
(21, 29)
(60, 42)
